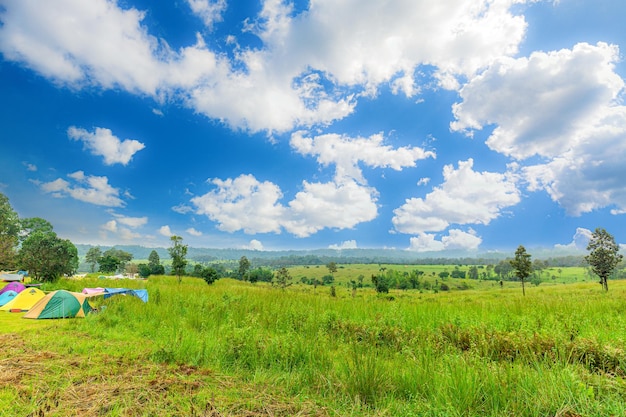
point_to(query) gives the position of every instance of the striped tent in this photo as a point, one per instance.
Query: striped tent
(60, 304)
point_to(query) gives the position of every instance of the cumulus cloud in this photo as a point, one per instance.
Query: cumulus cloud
(102, 142)
(346, 153)
(312, 67)
(455, 240)
(564, 107)
(165, 231)
(465, 197)
(87, 188)
(194, 232)
(254, 245)
(580, 240)
(209, 11)
(347, 244)
(247, 204)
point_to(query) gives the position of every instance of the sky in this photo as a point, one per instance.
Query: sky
(272, 125)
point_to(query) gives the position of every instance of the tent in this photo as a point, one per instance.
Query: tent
(60, 304)
(96, 290)
(7, 296)
(24, 300)
(141, 294)
(11, 277)
(110, 292)
(13, 286)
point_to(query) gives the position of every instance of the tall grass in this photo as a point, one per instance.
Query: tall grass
(491, 352)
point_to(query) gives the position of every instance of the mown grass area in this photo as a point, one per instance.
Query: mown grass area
(235, 348)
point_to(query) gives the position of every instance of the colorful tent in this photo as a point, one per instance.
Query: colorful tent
(7, 296)
(24, 300)
(13, 286)
(60, 304)
(141, 294)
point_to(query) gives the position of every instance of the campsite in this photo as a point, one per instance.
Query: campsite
(237, 348)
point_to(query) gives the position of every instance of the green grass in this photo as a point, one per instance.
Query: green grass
(235, 348)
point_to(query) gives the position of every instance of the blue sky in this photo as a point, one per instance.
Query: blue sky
(463, 125)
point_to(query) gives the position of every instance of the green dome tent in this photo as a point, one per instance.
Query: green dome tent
(60, 304)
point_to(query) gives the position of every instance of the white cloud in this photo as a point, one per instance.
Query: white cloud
(254, 245)
(133, 222)
(165, 231)
(209, 11)
(579, 241)
(564, 107)
(90, 189)
(244, 203)
(182, 209)
(102, 142)
(194, 232)
(30, 167)
(465, 197)
(347, 244)
(346, 153)
(110, 226)
(311, 70)
(455, 240)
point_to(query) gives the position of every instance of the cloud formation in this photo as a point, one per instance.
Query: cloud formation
(563, 107)
(352, 49)
(465, 197)
(102, 142)
(87, 188)
(455, 240)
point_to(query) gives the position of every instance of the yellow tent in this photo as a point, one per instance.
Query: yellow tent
(24, 300)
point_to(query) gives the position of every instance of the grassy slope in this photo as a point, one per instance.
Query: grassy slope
(240, 349)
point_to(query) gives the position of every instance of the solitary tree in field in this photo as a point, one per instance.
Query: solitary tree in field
(178, 252)
(522, 265)
(244, 268)
(603, 257)
(283, 278)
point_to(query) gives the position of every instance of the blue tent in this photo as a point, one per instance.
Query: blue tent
(7, 296)
(141, 294)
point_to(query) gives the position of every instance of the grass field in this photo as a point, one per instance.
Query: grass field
(240, 349)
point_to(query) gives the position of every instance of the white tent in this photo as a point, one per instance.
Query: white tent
(11, 277)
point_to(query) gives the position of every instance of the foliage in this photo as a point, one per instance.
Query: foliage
(154, 264)
(48, 257)
(603, 257)
(92, 256)
(522, 265)
(209, 275)
(114, 260)
(332, 267)
(34, 224)
(381, 283)
(261, 275)
(244, 267)
(9, 231)
(283, 278)
(178, 252)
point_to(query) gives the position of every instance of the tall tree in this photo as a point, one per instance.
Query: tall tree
(9, 232)
(154, 263)
(244, 268)
(178, 252)
(115, 256)
(603, 256)
(34, 224)
(522, 265)
(92, 256)
(47, 257)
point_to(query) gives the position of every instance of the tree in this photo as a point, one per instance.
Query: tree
(114, 260)
(154, 263)
(522, 265)
(603, 256)
(283, 278)
(34, 224)
(332, 267)
(92, 256)
(244, 267)
(209, 275)
(47, 257)
(178, 252)
(9, 232)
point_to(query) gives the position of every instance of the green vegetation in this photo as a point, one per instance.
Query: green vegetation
(241, 348)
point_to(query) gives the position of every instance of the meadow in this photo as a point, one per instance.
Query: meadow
(240, 349)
